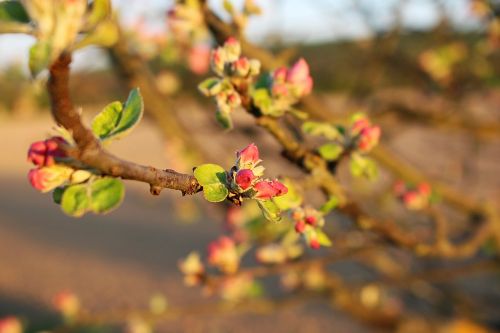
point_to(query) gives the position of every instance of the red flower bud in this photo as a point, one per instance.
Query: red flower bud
(268, 189)
(424, 189)
(43, 153)
(47, 178)
(311, 220)
(10, 324)
(249, 155)
(242, 66)
(314, 243)
(67, 303)
(368, 138)
(300, 226)
(244, 178)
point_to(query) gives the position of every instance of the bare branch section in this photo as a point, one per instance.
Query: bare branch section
(89, 150)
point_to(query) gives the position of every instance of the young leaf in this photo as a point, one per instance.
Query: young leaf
(215, 192)
(270, 210)
(75, 200)
(13, 11)
(224, 119)
(330, 205)
(212, 178)
(104, 34)
(323, 238)
(115, 121)
(330, 151)
(106, 193)
(101, 9)
(321, 129)
(210, 87)
(39, 57)
(57, 194)
(262, 100)
(363, 167)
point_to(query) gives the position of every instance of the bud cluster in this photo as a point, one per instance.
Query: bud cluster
(365, 135)
(193, 269)
(245, 177)
(234, 73)
(414, 198)
(49, 173)
(223, 254)
(186, 22)
(293, 83)
(309, 222)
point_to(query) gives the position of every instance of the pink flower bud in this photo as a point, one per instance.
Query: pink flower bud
(10, 324)
(222, 254)
(268, 189)
(47, 178)
(298, 75)
(67, 303)
(279, 75)
(412, 200)
(280, 90)
(369, 138)
(43, 153)
(249, 155)
(359, 125)
(233, 49)
(314, 243)
(244, 178)
(233, 100)
(300, 226)
(199, 59)
(218, 60)
(242, 66)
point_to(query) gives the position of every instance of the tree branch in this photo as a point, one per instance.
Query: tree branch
(89, 150)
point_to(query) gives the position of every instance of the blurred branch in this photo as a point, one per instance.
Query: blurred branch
(90, 152)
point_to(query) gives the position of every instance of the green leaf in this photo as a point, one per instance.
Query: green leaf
(321, 129)
(106, 193)
(13, 11)
(270, 210)
(224, 119)
(228, 6)
(75, 200)
(211, 86)
(213, 179)
(115, 121)
(330, 151)
(101, 9)
(299, 114)
(330, 205)
(323, 238)
(104, 34)
(291, 199)
(57, 194)
(363, 167)
(39, 57)
(215, 192)
(105, 122)
(262, 100)
(208, 174)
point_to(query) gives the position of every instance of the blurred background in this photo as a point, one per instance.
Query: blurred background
(427, 71)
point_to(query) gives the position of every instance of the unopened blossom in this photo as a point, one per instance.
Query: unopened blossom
(48, 178)
(314, 243)
(192, 268)
(10, 324)
(44, 153)
(267, 189)
(367, 135)
(298, 75)
(233, 49)
(300, 226)
(248, 156)
(244, 178)
(271, 254)
(67, 303)
(222, 253)
(414, 198)
(242, 66)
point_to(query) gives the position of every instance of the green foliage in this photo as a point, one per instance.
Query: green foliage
(39, 57)
(117, 120)
(262, 100)
(101, 9)
(331, 151)
(321, 129)
(270, 210)
(210, 86)
(224, 119)
(13, 11)
(106, 194)
(213, 179)
(330, 205)
(361, 166)
(323, 238)
(104, 34)
(75, 200)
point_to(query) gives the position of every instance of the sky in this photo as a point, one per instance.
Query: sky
(302, 21)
